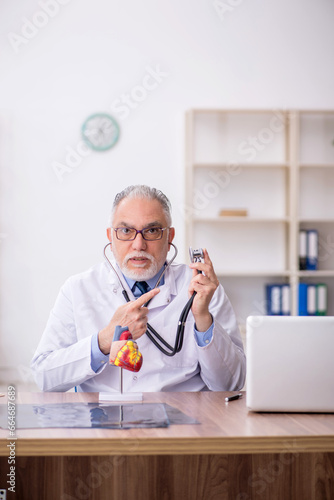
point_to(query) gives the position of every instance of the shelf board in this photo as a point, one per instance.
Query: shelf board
(241, 219)
(235, 163)
(252, 274)
(235, 111)
(316, 165)
(315, 274)
(273, 273)
(316, 219)
(315, 112)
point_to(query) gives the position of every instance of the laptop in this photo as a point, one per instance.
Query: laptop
(290, 363)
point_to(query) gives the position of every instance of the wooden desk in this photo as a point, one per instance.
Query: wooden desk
(232, 454)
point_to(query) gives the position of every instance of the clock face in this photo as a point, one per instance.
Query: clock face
(100, 131)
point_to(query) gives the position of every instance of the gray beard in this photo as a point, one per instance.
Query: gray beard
(140, 274)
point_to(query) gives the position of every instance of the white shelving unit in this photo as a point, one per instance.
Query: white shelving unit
(279, 166)
(315, 188)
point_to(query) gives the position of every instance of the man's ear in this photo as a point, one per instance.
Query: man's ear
(171, 235)
(109, 233)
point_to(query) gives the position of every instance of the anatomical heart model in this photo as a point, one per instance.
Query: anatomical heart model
(124, 350)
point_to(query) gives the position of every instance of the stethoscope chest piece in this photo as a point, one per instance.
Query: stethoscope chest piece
(196, 255)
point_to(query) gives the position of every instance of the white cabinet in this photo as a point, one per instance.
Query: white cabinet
(278, 168)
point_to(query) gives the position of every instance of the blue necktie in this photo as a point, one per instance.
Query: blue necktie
(142, 286)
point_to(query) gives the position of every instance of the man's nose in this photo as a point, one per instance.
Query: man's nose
(139, 243)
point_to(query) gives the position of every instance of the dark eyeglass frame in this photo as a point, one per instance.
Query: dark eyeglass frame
(141, 231)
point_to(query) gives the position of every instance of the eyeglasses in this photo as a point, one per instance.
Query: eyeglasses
(148, 233)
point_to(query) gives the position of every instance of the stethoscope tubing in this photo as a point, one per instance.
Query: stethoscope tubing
(179, 332)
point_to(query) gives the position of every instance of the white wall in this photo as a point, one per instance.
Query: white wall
(82, 57)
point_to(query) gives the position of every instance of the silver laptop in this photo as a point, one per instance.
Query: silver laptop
(290, 363)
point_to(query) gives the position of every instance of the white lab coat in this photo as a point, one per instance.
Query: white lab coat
(85, 305)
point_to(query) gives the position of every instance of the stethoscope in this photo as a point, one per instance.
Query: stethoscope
(153, 335)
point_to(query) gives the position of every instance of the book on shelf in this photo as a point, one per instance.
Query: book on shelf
(308, 250)
(278, 299)
(312, 250)
(312, 299)
(233, 212)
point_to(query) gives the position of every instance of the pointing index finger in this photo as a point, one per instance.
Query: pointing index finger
(146, 297)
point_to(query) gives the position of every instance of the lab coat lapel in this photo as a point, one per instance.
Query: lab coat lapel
(167, 291)
(115, 284)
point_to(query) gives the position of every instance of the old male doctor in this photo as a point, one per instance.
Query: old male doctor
(74, 348)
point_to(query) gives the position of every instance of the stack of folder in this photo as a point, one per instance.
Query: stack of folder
(278, 299)
(308, 250)
(312, 299)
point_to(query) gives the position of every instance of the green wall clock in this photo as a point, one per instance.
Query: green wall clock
(100, 131)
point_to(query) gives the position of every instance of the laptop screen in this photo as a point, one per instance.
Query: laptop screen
(290, 363)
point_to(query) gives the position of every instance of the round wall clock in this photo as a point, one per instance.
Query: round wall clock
(100, 131)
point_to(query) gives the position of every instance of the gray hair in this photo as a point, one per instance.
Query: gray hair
(146, 192)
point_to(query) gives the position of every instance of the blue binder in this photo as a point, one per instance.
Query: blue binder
(302, 299)
(273, 299)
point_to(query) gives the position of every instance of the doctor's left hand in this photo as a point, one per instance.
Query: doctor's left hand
(205, 284)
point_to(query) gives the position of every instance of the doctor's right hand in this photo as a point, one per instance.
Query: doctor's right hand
(133, 315)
